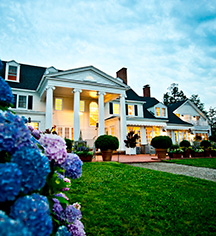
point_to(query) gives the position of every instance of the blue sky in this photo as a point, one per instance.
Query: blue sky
(159, 41)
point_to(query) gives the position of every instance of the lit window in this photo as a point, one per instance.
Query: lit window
(157, 109)
(59, 131)
(67, 132)
(82, 106)
(163, 111)
(93, 113)
(130, 110)
(35, 125)
(12, 73)
(112, 130)
(22, 101)
(58, 104)
(115, 108)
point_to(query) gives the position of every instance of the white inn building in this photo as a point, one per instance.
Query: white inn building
(87, 102)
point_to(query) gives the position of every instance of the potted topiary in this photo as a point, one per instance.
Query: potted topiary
(107, 144)
(171, 149)
(161, 144)
(205, 144)
(177, 153)
(185, 145)
(197, 152)
(130, 143)
(69, 144)
(84, 153)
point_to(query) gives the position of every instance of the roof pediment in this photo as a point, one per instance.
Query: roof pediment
(88, 74)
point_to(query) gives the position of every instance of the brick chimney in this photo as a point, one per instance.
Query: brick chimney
(146, 91)
(122, 74)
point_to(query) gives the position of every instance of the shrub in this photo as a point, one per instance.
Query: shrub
(184, 143)
(130, 142)
(205, 144)
(69, 144)
(173, 147)
(105, 142)
(212, 138)
(162, 142)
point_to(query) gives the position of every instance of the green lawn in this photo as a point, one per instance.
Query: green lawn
(119, 199)
(200, 162)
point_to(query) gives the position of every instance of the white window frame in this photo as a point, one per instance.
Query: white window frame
(27, 100)
(15, 64)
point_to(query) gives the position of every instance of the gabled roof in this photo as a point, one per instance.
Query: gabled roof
(174, 119)
(30, 76)
(175, 105)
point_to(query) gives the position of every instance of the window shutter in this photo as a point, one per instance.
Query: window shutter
(111, 108)
(30, 101)
(15, 100)
(135, 110)
(126, 108)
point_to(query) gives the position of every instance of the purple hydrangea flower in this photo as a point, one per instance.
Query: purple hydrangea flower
(36, 133)
(62, 231)
(33, 212)
(34, 166)
(12, 227)
(54, 147)
(72, 214)
(76, 229)
(72, 166)
(58, 210)
(6, 96)
(10, 181)
(14, 134)
(62, 195)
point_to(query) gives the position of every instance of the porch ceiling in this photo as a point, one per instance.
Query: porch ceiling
(85, 95)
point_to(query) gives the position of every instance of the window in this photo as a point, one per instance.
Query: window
(148, 134)
(93, 114)
(112, 131)
(163, 112)
(12, 73)
(58, 104)
(23, 101)
(82, 106)
(35, 125)
(130, 110)
(157, 109)
(115, 108)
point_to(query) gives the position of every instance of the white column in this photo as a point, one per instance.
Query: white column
(76, 114)
(173, 136)
(101, 127)
(123, 124)
(143, 135)
(49, 106)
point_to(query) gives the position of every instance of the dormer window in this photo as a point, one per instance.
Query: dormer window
(12, 72)
(157, 110)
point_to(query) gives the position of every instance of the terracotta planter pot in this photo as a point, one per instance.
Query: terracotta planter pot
(206, 153)
(161, 153)
(186, 154)
(177, 155)
(107, 155)
(84, 158)
(197, 154)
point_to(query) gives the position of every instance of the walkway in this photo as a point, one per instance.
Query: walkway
(151, 162)
(197, 172)
(127, 159)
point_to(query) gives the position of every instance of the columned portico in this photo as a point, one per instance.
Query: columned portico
(101, 127)
(76, 114)
(49, 106)
(123, 125)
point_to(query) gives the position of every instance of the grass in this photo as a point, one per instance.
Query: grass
(119, 199)
(199, 162)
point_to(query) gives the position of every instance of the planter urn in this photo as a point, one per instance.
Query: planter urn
(107, 154)
(177, 155)
(161, 153)
(85, 158)
(130, 151)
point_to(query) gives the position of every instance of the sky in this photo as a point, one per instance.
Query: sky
(160, 42)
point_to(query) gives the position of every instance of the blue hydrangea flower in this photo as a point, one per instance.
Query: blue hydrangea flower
(14, 134)
(34, 166)
(33, 211)
(72, 166)
(10, 181)
(58, 210)
(6, 96)
(76, 229)
(62, 231)
(12, 227)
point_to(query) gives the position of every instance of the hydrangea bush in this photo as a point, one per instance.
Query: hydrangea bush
(35, 173)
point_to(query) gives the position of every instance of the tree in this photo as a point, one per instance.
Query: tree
(196, 101)
(174, 95)
(212, 119)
